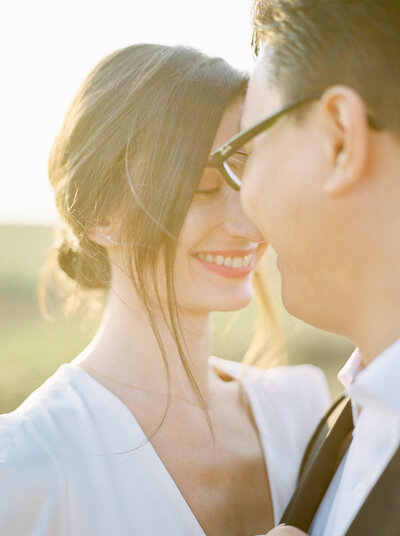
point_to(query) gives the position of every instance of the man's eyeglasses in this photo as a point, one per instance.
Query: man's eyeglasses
(230, 159)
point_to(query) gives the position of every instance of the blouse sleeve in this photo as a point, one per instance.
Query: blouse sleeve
(312, 394)
(287, 404)
(30, 492)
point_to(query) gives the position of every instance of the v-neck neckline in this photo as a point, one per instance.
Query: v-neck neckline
(146, 443)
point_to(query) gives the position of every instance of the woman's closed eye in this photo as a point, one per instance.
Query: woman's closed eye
(208, 192)
(210, 185)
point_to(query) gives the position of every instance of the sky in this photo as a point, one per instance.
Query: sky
(48, 46)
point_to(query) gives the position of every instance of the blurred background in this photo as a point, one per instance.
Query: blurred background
(47, 48)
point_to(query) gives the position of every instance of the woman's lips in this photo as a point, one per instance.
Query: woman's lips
(233, 263)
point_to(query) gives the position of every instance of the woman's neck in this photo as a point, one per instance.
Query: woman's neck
(125, 349)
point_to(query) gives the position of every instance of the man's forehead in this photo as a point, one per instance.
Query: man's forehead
(262, 98)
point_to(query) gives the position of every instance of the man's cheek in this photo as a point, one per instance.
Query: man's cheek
(246, 199)
(251, 192)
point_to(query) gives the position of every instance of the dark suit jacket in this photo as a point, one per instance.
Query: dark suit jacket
(380, 513)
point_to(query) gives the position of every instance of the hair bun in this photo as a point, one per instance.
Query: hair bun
(67, 258)
(85, 263)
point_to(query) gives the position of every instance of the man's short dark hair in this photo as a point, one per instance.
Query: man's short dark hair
(315, 44)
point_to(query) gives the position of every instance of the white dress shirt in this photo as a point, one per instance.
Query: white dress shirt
(375, 396)
(70, 466)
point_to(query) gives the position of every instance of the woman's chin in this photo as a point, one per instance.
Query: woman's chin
(233, 303)
(208, 299)
(231, 309)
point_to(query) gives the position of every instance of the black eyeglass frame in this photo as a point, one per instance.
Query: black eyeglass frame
(221, 155)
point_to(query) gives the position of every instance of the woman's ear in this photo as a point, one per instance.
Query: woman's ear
(104, 233)
(349, 138)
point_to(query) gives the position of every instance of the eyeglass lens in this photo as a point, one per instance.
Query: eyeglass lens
(234, 166)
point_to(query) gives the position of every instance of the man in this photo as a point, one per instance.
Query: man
(322, 183)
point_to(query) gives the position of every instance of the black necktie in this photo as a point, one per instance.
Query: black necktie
(315, 481)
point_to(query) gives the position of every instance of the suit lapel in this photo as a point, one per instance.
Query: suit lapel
(315, 481)
(319, 437)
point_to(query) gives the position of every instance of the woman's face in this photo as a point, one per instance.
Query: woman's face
(219, 247)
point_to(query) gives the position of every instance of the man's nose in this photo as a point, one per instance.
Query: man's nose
(237, 222)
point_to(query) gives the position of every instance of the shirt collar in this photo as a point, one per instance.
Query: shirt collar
(347, 375)
(376, 384)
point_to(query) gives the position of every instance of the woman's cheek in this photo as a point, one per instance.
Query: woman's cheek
(200, 221)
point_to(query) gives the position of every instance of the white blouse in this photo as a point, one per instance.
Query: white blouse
(69, 463)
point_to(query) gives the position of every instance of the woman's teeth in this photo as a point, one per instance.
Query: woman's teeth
(232, 262)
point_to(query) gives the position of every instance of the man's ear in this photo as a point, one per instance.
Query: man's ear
(104, 233)
(349, 138)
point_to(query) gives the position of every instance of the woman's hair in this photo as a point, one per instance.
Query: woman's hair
(135, 140)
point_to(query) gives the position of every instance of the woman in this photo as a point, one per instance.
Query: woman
(144, 433)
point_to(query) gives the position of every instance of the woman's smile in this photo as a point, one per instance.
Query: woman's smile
(233, 263)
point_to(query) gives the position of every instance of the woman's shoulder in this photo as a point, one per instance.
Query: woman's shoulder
(31, 437)
(44, 447)
(72, 417)
(291, 392)
(31, 482)
(301, 384)
(300, 379)
(27, 434)
(69, 411)
(43, 409)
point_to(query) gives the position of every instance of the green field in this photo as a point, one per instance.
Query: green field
(31, 348)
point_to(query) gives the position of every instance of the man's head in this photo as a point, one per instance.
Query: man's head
(323, 183)
(314, 44)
